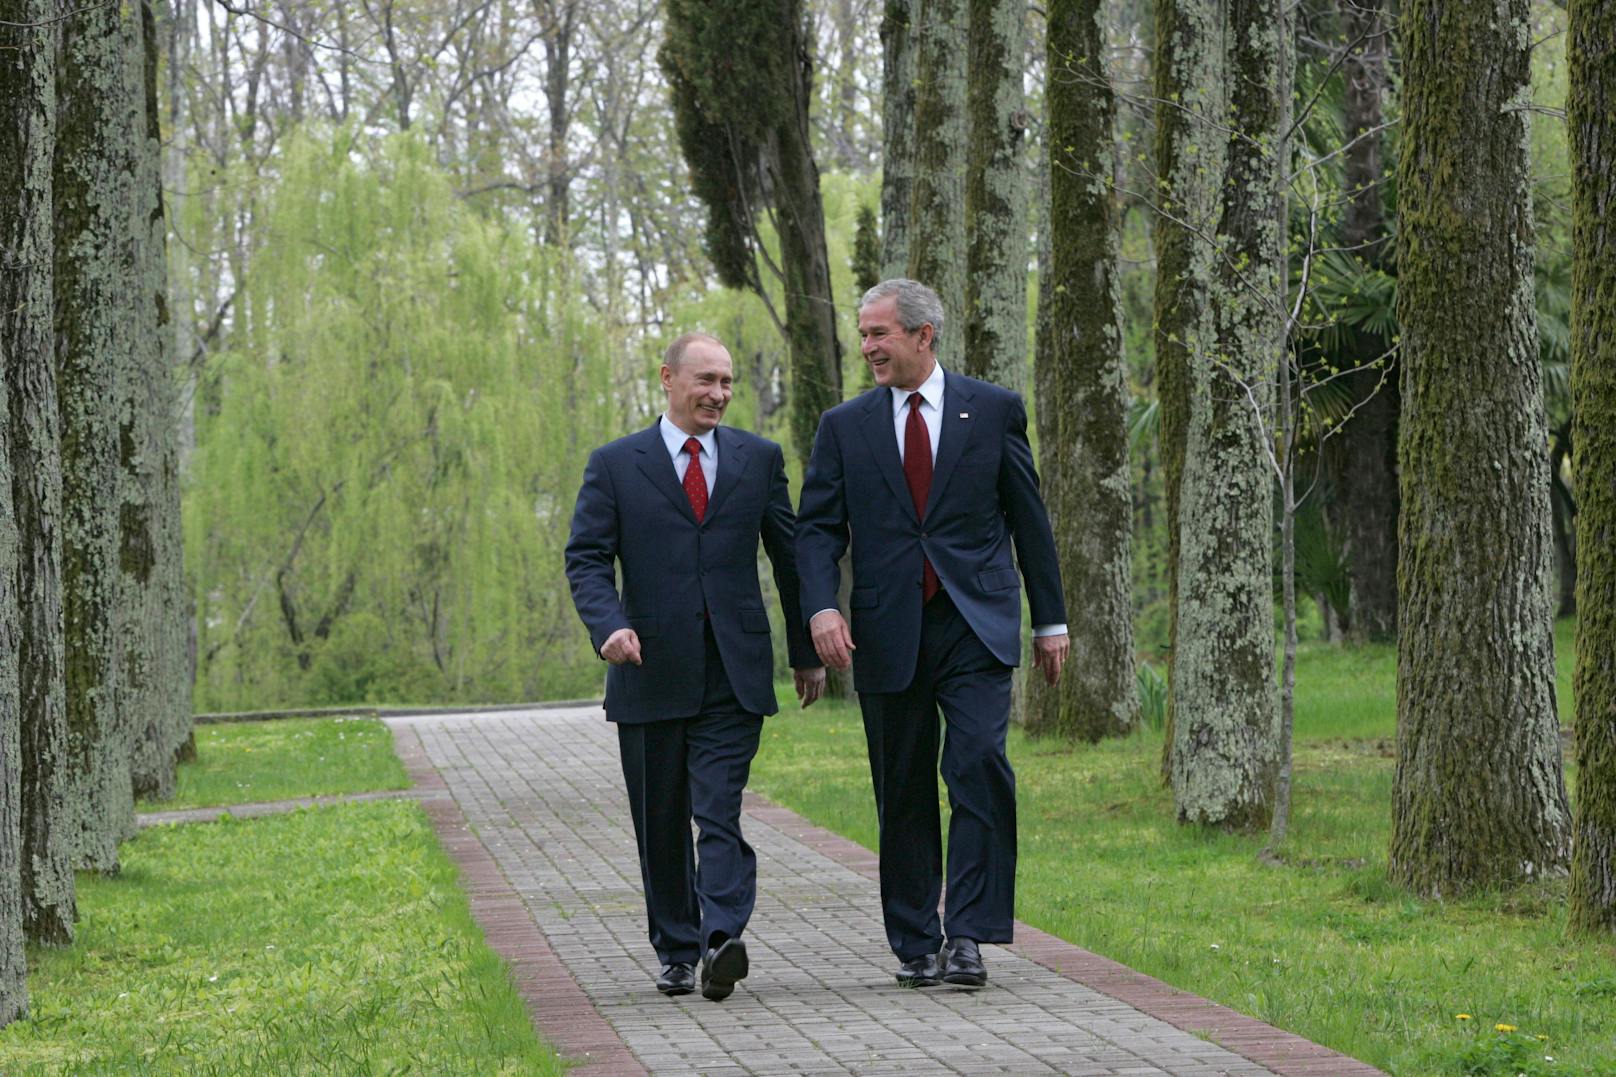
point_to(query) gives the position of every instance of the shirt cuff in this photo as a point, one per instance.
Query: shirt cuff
(1049, 630)
(827, 609)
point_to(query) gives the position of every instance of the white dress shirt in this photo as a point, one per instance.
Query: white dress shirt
(675, 439)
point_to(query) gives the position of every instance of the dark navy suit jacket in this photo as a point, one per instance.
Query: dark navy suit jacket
(984, 499)
(633, 512)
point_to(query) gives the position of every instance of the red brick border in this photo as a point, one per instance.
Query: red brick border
(560, 1010)
(1281, 1051)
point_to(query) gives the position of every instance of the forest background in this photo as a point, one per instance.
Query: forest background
(425, 257)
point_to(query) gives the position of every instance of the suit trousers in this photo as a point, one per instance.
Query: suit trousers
(681, 769)
(956, 673)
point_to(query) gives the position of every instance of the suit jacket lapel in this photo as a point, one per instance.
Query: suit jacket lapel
(657, 466)
(880, 433)
(957, 426)
(732, 459)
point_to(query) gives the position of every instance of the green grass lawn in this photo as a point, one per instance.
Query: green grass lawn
(326, 940)
(1323, 946)
(244, 762)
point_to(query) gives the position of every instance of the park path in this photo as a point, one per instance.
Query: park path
(536, 817)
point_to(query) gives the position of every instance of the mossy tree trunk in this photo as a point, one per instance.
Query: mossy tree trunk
(897, 133)
(1189, 155)
(1363, 454)
(13, 962)
(1226, 719)
(1479, 796)
(97, 151)
(27, 137)
(936, 235)
(156, 699)
(1591, 114)
(995, 306)
(1085, 397)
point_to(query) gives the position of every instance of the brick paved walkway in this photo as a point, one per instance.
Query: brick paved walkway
(549, 847)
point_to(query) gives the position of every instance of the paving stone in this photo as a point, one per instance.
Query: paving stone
(543, 794)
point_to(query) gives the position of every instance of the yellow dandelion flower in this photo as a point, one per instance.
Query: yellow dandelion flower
(1504, 1028)
(1462, 1016)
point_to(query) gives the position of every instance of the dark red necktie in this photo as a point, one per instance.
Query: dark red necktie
(917, 473)
(696, 482)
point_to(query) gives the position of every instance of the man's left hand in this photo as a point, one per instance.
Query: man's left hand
(1049, 654)
(810, 683)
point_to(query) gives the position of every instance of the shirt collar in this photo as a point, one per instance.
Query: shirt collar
(675, 439)
(931, 391)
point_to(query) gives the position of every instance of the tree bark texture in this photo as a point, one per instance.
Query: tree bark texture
(1226, 720)
(99, 132)
(156, 701)
(1479, 796)
(27, 136)
(1087, 400)
(1591, 105)
(937, 212)
(995, 305)
(1364, 453)
(897, 133)
(1189, 163)
(13, 962)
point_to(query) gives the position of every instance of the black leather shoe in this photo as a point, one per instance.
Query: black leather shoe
(678, 978)
(920, 972)
(721, 968)
(962, 964)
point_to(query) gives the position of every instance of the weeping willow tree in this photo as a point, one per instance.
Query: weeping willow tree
(384, 475)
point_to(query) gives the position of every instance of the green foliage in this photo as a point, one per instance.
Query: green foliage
(1152, 696)
(866, 250)
(387, 456)
(333, 940)
(1321, 946)
(244, 762)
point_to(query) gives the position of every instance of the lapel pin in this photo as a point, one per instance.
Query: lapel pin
(965, 415)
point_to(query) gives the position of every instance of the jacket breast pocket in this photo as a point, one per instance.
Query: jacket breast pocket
(754, 621)
(864, 598)
(643, 626)
(996, 579)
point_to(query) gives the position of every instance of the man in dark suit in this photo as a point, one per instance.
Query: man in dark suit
(931, 478)
(680, 508)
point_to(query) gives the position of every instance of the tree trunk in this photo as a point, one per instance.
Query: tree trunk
(1364, 452)
(816, 354)
(897, 133)
(937, 214)
(1590, 106)
(27, 136)
(1189, 161)
(1090, 502)
(155, 703)
(1226, 721)
(563, 19)
(1479, 796)
(95, 165)
(995, 303)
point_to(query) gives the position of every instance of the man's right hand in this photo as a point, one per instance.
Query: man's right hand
(832, 639)
(621, 646)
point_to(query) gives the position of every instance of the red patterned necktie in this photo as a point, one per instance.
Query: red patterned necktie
(696, 482)
(917, 473)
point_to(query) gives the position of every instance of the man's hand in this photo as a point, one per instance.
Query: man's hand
(621, 646)
(832, 639)
(810, 684)
(1049, 654)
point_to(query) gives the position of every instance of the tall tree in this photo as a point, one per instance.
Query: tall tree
(97, 152)
(995, 301)
(1188, 78)
(27, 136)
(13, 963)
(1085, 401)
(155, 701)
(1591, 115)
(936, 235)
(744, 131)
(1364, 453)
(897, 132)
(1479, 795)
(1226, 719)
